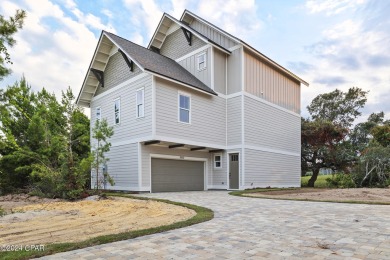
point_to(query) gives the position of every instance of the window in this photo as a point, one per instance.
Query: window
(98, 113)
(140, 97)
(117, 111)
(184, 108)
(202, 61)
(217, 161)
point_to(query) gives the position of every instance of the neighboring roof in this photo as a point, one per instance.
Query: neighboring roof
(156, 63)
(258, 53)
(144, 58)
(160, 33)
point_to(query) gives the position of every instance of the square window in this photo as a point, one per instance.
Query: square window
(217, 161)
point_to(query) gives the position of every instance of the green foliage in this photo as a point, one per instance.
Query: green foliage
(340, 180)
(101, 132)
(373, 168)
(45, 142)
(2, 212)
(381, 134)
(324, 136)
(320, 182)
(8, 27)
(340, 108)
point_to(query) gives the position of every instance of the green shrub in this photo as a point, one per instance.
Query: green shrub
(341, 180)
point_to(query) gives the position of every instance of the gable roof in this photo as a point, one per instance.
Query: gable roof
(145, 59)
(165, 24)
(185, 18)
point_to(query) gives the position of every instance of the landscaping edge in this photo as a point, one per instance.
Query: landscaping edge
(244, 193)
(202, 214)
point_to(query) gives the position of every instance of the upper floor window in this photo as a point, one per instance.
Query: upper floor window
(217, 161)
(202, 61)
(184, 108)
(98, 113)
(140, 97)
(117, 111)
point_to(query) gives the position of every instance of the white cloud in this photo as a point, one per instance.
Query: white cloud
(145, 14)
(107, 13)
(332, 7)
(51, 56)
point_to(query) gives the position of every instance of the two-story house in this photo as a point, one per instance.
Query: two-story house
(197, 109)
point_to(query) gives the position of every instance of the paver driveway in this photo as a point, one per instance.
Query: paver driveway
(251, 228)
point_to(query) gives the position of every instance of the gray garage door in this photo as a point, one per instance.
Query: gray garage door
(177, 175)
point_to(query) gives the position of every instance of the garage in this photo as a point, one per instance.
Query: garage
(177, 175)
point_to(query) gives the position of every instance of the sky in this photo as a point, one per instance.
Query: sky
(328, 43)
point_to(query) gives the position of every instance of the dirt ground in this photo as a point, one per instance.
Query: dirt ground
(362, 194)
(37, 222)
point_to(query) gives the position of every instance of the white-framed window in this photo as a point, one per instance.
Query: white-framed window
(202, 61)
(218, 161)
(184, 108)
(117, 111)
(140, 100)
(98, 113)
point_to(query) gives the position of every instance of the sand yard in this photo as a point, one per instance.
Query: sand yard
(61, 221)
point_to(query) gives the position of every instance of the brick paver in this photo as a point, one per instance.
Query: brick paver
(252, 228)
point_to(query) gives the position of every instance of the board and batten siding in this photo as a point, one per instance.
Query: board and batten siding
(191, 65)
(123, 167)
(147, 150)
(219, 71)
(234, 121)
(130, 127)
(213, 34)
(208, 117)
(269, 127)
(265, 82)
(234, 71)
(267, 169)
(175, 45)
(116, 72)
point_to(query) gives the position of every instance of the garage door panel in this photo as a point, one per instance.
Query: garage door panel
(177, 175)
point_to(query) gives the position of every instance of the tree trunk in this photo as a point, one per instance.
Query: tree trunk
(313, 177)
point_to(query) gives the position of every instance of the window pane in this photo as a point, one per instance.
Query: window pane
(218, 164)
(117, 111)
(217, 158)
(184, 116)
(140, 96)
(184, 102)
(140, 110)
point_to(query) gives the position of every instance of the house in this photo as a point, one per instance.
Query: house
(197, 109)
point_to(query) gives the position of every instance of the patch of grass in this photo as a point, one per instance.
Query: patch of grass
(257, 190)
(2, 212)
(320, 182)
(202, 215)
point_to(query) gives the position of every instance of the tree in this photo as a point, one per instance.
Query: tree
(7, 30)
(101, 132)
(381, 134)
(324, 142)
(320, 146)
(340, 108)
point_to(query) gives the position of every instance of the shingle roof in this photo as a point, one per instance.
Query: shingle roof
(158, 64)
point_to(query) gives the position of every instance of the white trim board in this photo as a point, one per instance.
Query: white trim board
(121, 85)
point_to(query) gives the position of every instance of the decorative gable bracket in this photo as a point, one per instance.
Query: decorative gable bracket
(99, 75)
(129, 63)
(188, 35)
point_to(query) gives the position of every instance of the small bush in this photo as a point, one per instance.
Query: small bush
(340, 180)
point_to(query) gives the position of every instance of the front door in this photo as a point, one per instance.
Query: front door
(233, 171)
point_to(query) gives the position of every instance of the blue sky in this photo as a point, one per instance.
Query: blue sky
(329, 43)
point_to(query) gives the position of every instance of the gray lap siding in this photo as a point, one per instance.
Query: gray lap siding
(208, 117)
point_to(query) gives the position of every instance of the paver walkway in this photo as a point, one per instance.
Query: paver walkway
(251, 228)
